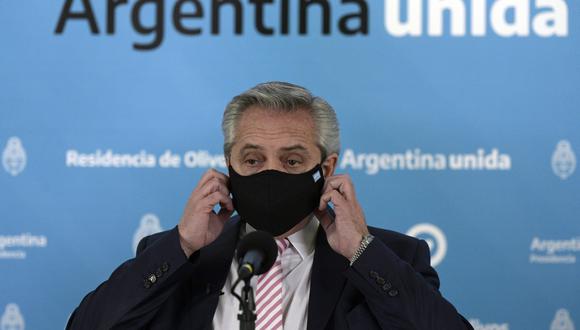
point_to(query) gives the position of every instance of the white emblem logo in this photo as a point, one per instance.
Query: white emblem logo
(563, 160)
(12, 319)
(562, 321)
(149, 225)
(434, 237)
(14, 156)
(316, 176)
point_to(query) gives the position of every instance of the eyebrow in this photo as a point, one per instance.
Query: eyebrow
(295, 147)
(250, 147)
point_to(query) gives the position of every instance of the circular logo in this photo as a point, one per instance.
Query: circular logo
(434, 237)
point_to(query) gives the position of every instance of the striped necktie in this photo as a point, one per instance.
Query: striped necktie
(270, 294)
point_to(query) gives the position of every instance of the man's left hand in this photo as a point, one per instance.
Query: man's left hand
(346, 230)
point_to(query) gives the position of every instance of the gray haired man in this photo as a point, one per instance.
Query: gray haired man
(333, 271)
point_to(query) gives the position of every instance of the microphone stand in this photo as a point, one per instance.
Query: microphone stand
(247, 316)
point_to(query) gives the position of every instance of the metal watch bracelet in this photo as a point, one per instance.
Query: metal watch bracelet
(366, 240)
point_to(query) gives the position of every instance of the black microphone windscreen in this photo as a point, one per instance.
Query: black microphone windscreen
(260, 241)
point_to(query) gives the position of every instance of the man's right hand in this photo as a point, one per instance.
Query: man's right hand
(200, 224)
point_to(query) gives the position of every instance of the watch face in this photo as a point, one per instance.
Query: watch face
(368, 238)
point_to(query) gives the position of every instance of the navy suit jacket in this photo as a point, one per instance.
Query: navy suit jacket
(391, 286)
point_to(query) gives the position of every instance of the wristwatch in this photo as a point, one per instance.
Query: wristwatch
(366, 240)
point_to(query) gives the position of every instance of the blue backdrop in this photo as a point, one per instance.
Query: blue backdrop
(467, 139)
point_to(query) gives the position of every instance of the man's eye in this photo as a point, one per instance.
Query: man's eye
(251, 161)
(293, 162)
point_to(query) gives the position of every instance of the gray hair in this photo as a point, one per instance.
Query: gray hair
(284, 97)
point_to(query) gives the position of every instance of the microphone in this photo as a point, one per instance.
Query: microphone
(256, 254)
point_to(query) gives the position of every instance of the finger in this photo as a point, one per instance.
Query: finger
(222, 176)
(212, 185)
(343, 184)
(207, 204)
(210, 174)
(204, 178)
(331, 196)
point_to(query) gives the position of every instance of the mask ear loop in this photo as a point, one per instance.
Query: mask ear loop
(330, 211)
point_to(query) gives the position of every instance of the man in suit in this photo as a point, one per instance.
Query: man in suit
(333, 271)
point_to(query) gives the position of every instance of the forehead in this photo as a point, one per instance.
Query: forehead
(274, 128)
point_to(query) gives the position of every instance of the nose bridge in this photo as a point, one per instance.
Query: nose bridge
(273, 163)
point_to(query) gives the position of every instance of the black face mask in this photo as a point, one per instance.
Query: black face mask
(275, 201)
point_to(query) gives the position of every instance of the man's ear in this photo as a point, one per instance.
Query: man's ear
(329, 165)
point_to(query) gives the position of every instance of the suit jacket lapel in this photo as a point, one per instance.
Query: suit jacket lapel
(214, 265)
(327, 281)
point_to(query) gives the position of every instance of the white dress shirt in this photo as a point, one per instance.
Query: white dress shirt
(296, 267)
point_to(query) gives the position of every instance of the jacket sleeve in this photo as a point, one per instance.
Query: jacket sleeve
(402, 295)
(136, 288)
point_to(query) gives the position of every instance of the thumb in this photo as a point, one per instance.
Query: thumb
(224, 214)
(326, 219)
